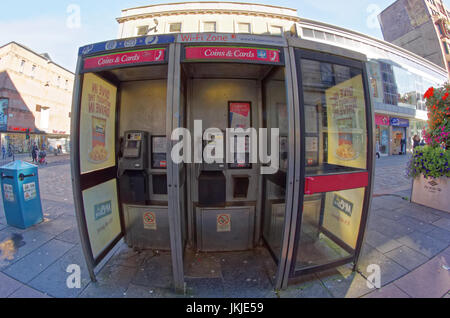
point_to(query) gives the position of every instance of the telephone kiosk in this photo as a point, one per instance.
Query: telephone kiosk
(143, 190)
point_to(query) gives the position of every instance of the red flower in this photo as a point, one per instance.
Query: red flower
(445, 96)
(429, 93)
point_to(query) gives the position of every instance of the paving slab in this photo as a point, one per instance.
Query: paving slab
(353, 285)
(70, 236)
(423, 243)
(390, 270)
(443, 223)
(407, 257)
(112, 282)
(28, 292)
(16, 244)
(126, 256)
(389, 227)
(389, 291)
(135, 291)
(430, 280)
(205, 287)
(37, 261)
(8, 285)
(417, 225)
(58, 225)
(53, 280)
(381, 242)
(308, 286)
(421, 214)
(440, 235)
(156, 271)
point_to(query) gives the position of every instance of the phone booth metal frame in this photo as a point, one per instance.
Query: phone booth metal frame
(298, 184)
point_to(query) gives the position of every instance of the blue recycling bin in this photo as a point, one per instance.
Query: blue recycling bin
(21, 197)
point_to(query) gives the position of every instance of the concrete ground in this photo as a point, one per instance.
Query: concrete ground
(410, 243)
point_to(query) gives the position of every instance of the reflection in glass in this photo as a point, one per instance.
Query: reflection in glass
(330, 227)
(335, 124)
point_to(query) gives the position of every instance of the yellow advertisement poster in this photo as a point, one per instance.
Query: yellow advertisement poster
(102, 215)
(342, 216)
(97, 124)
(347, 130)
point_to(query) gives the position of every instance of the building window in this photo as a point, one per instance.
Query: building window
(440, 28)
(276, 30)
(209, 26)
(244, 28)
(175, 27)
(308, 33)
(389, 86)
(67, 84)
(142, 30)
(58, 81)
(33, 70)
(22, 66)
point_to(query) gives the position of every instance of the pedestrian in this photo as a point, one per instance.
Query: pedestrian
(416, 141)
(10, 151)
(3, 152)
(403, 146)
(34, 153)
(378, 150)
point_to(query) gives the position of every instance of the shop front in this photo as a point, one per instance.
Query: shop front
(400, 141)
(222, 143)
(382, 134)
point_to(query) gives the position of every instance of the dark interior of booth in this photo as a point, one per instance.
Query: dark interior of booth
(234, 213)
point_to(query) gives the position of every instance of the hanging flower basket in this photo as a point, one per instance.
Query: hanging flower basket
(429, 165)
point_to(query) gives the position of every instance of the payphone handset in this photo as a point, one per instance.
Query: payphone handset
(213, 142)
(135, 152)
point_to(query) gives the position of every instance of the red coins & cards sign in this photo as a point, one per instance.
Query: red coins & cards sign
(232, 53)
(125, 58)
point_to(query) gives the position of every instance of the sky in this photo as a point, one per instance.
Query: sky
(52, 26)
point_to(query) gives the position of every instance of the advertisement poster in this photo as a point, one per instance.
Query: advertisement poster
(102, 215)
(4, 102)
(346, 115)
(240, 117)
(97, 124)
(342, 216)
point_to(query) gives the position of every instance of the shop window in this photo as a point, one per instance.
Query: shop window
(244, 28)
(209, 26)
(175, 27)
(142, 30)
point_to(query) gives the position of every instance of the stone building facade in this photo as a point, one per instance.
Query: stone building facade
(35, 99)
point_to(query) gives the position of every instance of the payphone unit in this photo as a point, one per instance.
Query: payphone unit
(143, 190)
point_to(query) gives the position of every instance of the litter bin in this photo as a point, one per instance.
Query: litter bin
(21, 198)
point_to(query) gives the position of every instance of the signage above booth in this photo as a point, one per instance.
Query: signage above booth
(381, 120)
(231, 38)
(125, 58)
(399, 122)
(263, 55)
(126, 44)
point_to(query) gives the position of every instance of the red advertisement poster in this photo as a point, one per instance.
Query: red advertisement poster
(232, 53)
(134, 57)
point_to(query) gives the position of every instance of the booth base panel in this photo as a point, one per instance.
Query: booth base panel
(147, 227)
(225, 229)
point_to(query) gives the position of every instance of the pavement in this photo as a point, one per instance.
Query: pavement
(410, 244)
